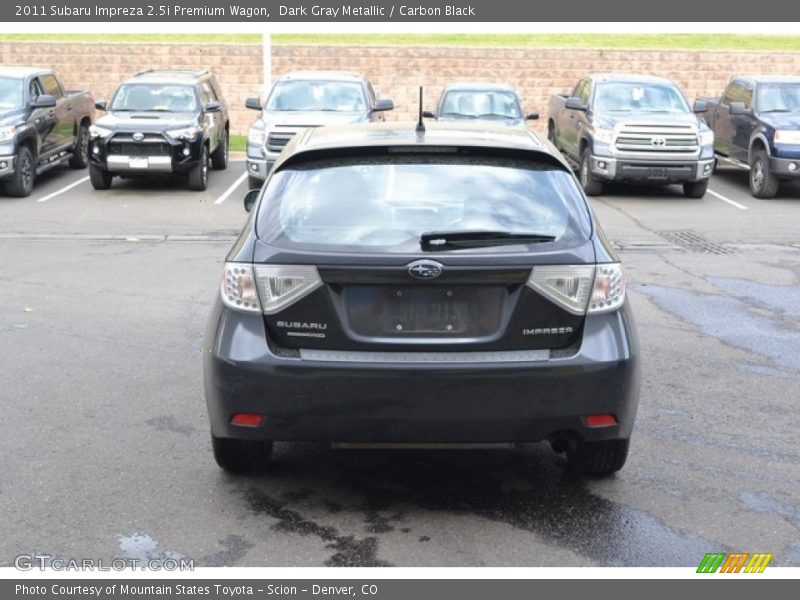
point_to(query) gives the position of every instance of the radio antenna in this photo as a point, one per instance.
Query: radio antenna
(420, 124)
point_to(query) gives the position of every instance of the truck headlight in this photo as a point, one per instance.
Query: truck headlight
(96, 131)
(256, 136)
(705, 138)
(604, 136)
(184, 133)
(787, 136)
(7, 133)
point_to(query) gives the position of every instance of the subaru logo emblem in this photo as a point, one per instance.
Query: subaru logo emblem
(138, 136)
(425, 269)
(658, 141)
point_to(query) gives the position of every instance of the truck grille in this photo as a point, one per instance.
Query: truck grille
(151, 145)
(278, 139)
(657, 138)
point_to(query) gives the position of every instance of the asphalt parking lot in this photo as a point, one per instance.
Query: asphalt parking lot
(105, 446)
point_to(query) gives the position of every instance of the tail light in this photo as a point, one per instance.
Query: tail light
(266, 288)
(579, 289)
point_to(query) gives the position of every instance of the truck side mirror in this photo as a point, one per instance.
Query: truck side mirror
(213, 107)
(574, 103)
(250, 199)
(100, 104)
(738, 108)
(253, 103)
(428, 114)
(532, 116)
(44, 101)
(700, 106)
(382, 104)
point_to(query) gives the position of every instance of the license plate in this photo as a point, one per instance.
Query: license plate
(420, 312)
(658, 173)
(138, 163)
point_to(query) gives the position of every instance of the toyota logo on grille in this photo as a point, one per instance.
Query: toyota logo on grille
(138, 136)
(658, 141)
(425, 269)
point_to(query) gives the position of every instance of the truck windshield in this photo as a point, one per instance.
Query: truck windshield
(778, 97)
(387, 203)
(479, 104)
(155, 97)
(639, 97)
(10, 93)
(335, 96)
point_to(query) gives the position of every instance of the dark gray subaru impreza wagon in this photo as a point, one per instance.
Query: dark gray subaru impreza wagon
(407, 287)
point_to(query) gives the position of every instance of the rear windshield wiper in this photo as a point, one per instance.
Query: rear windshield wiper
(451, 240)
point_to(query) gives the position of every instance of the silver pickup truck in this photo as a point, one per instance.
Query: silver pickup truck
(632, 128)
(303, 100)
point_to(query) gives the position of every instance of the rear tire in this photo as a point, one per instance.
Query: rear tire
(763, 184)
(591, 185)
(695, 189)
(21, 183)
(198, 176)
(80, 158)
(101, 180)
(254, 183)
(219, 158)
(238, 456)
(598, 458)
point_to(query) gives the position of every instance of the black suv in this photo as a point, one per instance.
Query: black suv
(161, 122)
(396, 286)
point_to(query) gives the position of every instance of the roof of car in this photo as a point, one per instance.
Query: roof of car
(770, 78)
(628, 78)
(321, 76)
(22, 72)
(170, 75)
(404, 135)
(479, 86)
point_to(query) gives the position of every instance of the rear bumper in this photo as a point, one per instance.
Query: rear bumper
(312, 400)
(657, 171)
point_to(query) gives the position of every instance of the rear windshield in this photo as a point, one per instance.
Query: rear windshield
(386, 203)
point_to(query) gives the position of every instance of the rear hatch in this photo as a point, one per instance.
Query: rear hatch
(353, 240)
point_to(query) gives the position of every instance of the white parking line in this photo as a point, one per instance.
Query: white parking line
(66, 188)
(728, 200)
(231, 189)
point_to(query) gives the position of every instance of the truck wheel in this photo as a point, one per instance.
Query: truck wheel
(254, 183)
(198, 176)
(763, 184)
(695, 189)
(598, 458)
(21, 183)
(591, 185)
(80, 157)
(101, 180)
(219, 158)
(238, 456)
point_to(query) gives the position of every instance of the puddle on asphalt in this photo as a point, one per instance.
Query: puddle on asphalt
(526, 489)
(734, 322)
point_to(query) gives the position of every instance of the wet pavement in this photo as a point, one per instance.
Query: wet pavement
(105, 451)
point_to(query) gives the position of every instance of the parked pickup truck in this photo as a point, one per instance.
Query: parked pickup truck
(632, 128)
(756, 126)
(42, 126)
(491, 102)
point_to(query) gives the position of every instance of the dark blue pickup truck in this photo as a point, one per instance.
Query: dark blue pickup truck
(756, 126)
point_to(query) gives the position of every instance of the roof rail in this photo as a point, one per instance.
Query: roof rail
(196, 72)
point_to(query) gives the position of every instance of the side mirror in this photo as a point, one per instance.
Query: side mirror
(382, 104)
(44, 101)
(213, 107)
(532, 116)
(738, 108)
(574, 103)
(428, 114)
(100, 104)
(250, 199)
(253, 103)
(700, 106)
